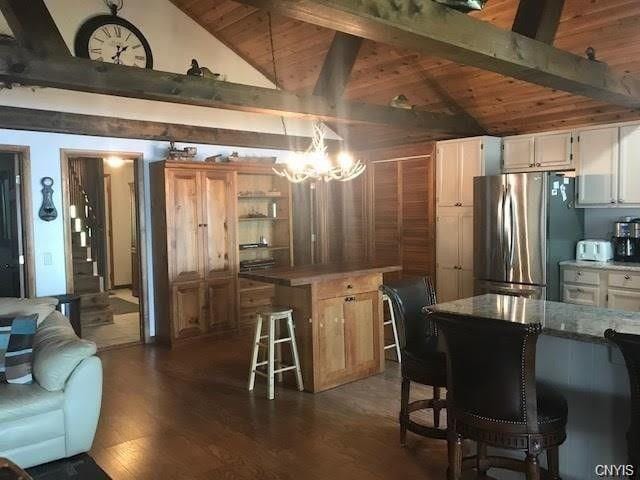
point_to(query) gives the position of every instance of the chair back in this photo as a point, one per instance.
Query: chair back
(408, 297)
(629, 345)
(491, 369)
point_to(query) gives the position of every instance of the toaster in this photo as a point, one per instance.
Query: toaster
(594, 250)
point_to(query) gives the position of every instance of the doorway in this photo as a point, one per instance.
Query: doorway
(16, 262)
(102, 205)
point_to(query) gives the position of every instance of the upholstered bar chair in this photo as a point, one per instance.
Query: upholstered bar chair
(494, 399)
(629, 345)
(421, 361)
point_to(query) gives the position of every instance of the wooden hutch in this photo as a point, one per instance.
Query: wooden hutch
(211, 221)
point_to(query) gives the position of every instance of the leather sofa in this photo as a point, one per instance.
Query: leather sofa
(57, 415)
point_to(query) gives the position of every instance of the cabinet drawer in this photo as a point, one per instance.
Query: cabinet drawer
(348, 286)
(585, 277)
(624, 300)
(256, 298)
(581, 295)
(247, 285)
(625, 280)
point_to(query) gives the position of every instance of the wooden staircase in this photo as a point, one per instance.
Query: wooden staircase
(88, 281)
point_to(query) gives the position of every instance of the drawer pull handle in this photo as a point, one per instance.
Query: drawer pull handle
(579, 274)
(627, 277)
(349, 286)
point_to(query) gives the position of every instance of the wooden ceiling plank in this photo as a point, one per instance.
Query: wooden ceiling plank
(437, 30)
(33, 27)
(337, 66)
(78, 124)
(21, 66)
(538, 19)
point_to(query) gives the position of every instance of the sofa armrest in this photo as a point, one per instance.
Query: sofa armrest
(57, 351)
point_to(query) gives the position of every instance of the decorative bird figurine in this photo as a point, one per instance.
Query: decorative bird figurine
(401, 101)
(197, 71)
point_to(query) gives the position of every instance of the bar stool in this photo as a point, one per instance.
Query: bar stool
(494, 399)
(421, 361)
(273, 315)
(629, 345)
(392, 321)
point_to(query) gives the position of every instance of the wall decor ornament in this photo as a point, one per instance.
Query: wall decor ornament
(48, 210)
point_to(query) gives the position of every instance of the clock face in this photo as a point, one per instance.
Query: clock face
(113, 40)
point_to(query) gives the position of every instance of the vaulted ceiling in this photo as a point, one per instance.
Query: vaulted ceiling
(500, 104)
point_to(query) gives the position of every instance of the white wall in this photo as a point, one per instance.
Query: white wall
(121, 207)
(45, 161)
(175, 39)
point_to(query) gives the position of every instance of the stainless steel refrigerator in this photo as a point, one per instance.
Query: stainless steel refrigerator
(524, 225)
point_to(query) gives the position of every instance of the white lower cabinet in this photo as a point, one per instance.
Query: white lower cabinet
(601, 287)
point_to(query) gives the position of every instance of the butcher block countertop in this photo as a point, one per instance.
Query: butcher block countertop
(308, 274)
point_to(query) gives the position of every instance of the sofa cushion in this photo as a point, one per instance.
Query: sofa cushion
(16, 348)
(43, 306)
(23, 401)
(57, 352)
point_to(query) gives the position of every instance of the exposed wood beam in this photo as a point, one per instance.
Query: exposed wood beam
(20, 66)
(78, 124)
(538, 19)
(337, 66)
(429, 27)
(33, 26)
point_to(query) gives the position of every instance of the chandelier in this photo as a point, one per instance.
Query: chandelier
(316, 164)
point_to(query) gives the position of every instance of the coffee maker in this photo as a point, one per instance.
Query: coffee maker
(626, 240)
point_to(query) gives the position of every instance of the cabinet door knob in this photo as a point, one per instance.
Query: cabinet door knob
(349, 286)
(579, 274)
(538, 164)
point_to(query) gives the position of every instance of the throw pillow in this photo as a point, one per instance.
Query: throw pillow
(16, 348)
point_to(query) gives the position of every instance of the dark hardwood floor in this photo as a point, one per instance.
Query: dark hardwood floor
(186, 414)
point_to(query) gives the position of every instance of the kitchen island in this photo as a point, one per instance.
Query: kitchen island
(337, 311)
(573, 356)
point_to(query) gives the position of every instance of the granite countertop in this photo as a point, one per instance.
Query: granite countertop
(307, 274)
(622, 266)
(576, 322)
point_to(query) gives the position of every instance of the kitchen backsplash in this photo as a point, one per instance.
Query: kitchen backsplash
(599, 221)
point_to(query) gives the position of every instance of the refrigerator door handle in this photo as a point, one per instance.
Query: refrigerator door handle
(512, 229)
(503, 224)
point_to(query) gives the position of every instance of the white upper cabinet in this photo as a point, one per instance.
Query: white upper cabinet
(554, 151)
(519, 153)
(629, 169)
(551, 151)
(597, 168)
(448, 167)
(458, 162)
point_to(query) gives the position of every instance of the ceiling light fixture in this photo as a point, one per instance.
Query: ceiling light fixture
(114, 161)
(316, 164)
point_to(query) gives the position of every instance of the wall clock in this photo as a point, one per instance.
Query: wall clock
(108, 38)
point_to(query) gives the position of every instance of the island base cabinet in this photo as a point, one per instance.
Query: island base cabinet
(348, 337)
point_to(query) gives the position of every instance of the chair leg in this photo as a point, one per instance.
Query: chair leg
(404, 410)
(481, 460)
(294, 350)
(532, 467)
(280, 375)
(271, 359)
(553, 462)
(454, 446)
(254, 354)
(436, 410)
(395, 331)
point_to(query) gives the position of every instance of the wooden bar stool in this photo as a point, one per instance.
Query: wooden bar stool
(273, 315)
(392, 321)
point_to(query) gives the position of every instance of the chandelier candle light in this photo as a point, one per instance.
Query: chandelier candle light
(316, 164)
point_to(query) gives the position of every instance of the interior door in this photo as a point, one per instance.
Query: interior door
(12, 279)
(489, 237)
(331, 334)
(448, 168)
(597, 167)
(184, 233)
(629, 186)
(218, 215)
(361, 313)
(526, 227)
(470, 167)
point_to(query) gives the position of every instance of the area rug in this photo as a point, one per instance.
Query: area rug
(121, 307)
(80, 467)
